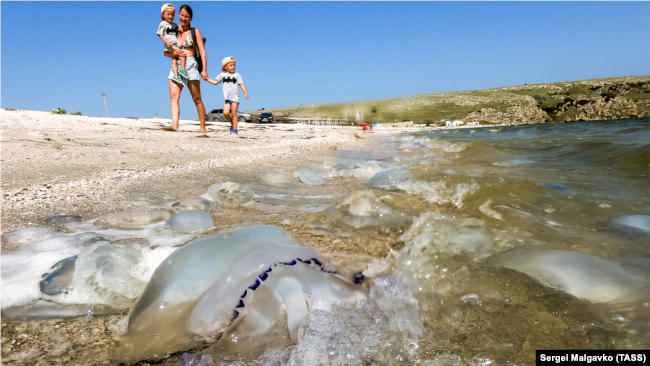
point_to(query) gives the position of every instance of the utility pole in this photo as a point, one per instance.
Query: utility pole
(106, 105)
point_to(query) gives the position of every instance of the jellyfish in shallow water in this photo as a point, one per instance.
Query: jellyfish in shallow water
(581, 275)
(27, 235)
(195, 203)
(308, 176)
(191, 221)
(230, 194)
(63, 219)
(363, 209)
(635, 223)
(390, 179)
(134, 219)
(243, 280)
(58, 280)
(276, 177)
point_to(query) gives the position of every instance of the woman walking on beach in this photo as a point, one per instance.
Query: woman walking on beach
(188, 46)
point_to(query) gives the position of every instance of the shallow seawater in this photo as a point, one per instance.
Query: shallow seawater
(478, 246)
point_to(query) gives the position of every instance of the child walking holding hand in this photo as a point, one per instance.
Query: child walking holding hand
(232, 81)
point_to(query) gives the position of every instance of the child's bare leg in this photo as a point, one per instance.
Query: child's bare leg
(182, 58)
(233, 114)
(226, 113)
(175, 66)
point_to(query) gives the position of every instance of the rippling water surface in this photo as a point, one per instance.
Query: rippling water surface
(495, 242)
(540, 194)
(519, 238)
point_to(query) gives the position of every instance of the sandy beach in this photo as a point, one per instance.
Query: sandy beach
(89, 166)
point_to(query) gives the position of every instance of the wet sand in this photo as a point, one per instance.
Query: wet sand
(92, 166)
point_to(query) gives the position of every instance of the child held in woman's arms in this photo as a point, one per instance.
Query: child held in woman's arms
(167, 32)
(231, 83)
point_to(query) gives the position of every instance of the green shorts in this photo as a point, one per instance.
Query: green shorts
(192, 71)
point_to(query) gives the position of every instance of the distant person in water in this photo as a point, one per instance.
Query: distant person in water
(168, 32)
(232, 81)
(188, 47)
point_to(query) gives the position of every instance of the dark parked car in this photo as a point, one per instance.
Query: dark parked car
(265, 117)
(217, 115)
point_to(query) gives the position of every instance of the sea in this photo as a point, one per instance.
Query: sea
(476, 246)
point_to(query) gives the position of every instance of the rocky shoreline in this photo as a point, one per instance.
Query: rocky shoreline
(590, 100)
(584, 100)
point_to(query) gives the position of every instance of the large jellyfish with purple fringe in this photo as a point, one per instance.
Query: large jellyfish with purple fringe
(243, 285)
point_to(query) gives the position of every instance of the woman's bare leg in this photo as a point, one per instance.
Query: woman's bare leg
(195, 90)
(174, 97)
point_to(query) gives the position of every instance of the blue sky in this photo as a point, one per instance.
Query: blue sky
(65, 54)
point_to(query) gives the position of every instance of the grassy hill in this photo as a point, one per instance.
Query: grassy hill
(596, 99)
